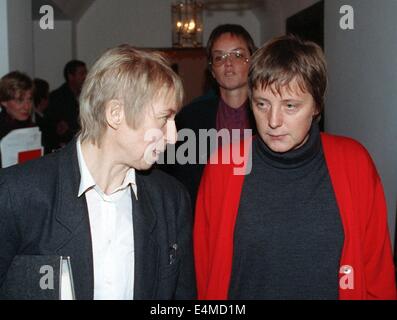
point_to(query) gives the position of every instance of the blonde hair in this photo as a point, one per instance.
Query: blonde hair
(135, 77)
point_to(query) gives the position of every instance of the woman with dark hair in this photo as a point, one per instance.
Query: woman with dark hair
(15, 102)
(309, 220)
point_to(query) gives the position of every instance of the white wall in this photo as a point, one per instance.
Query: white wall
(362, 97)
(52, 50)
(4, 62)
(20, 36)
(274, 14)
(143, 23)
(109, 23)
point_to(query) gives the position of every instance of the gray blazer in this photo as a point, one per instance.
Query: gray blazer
(40, 214)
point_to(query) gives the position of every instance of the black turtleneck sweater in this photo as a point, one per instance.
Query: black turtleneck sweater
(7, 124)
(288, 236)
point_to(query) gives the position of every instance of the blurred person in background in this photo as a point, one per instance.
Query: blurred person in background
(16, 101)
(63, 110)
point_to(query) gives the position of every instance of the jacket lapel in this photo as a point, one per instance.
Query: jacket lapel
(74, 235)
(146, 248)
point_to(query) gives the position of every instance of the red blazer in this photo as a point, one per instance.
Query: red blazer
(367, 269)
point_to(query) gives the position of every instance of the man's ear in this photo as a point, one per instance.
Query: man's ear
(114, 113)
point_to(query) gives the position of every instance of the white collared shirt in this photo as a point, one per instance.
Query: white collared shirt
(111, 233)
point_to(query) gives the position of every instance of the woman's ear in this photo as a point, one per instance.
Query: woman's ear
(316, 111)
(4, 104)
(114, 113)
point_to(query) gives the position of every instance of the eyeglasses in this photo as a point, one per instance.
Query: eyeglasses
(237, 56)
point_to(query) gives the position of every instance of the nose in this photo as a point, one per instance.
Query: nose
(228, 60)
(275, 118)
(171, 134)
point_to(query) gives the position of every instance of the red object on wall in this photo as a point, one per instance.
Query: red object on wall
(29, 155)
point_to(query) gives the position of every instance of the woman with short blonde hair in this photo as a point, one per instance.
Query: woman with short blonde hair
(135, 77)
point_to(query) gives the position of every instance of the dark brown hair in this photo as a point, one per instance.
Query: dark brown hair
(41, 90)
(286, 58)
(235, 30)
(71, 67)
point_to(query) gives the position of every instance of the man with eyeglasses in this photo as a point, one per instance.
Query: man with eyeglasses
(229, 50)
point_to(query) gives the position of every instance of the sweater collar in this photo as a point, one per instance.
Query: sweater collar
(294, 158)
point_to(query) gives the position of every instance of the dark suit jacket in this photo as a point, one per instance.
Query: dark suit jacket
(63, 106)
(40, 214)
(200, 114)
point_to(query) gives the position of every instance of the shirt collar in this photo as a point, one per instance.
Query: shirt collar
(87, 182)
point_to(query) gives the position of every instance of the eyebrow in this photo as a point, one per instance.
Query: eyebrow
(259, 98)
(236, 49)
(292, 100)
(283, 100)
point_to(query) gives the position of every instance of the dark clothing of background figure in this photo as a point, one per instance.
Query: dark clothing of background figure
(7, 124)
(202, 113)
(63, 107)
(41, 214)
(41, 121)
